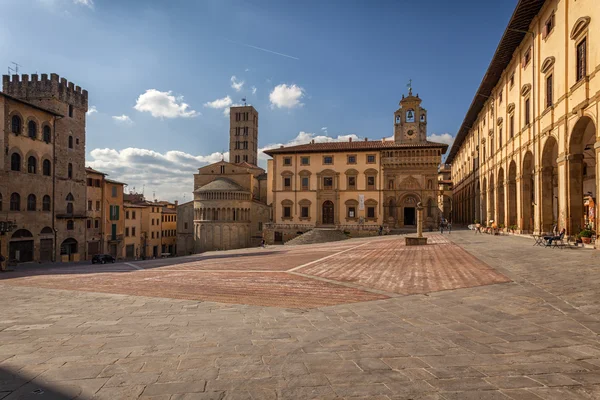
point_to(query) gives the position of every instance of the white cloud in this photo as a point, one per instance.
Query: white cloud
(284, 96)
(247, 70)
(443, 138)
(170, 174)
(91, 110)
(123, 119)
(237, 85)
(87, 3)
(253, 89)
(164, 105)
(219, 103)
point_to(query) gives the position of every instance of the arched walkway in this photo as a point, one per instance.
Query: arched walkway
(512, 193)
(549, 195)
(527, 193)
(581, 176)
(20, 247)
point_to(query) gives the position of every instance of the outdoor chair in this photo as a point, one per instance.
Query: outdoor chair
(557, 241)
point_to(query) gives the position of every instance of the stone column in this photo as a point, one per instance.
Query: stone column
(563, 193)
(419, 220)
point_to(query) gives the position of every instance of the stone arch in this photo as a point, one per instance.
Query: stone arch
(549, 184)
(492, 200)
(500, 197)
(527, 192)
(512, 193)
(582, 181)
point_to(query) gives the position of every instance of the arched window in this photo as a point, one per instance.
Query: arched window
(46, 203)
(31, 202)
(70, 197)
(32, 165)
(15, 162)
(16, 125)
(15, 202)
(70, 171)
(46, 168)
(32, 129)
(70, 142)
(47, 134)
(69, 208)
(70, 225)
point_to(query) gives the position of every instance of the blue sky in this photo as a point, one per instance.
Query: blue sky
(160, 73)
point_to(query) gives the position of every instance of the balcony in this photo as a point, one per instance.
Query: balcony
(114, 238)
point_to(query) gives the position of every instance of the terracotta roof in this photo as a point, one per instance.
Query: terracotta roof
(354, 145)
(515, 32)
(115, 182)
(88, 169)
(30, 104)
(221, 185)
(246, 164)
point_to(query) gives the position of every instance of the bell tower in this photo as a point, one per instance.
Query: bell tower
(410, 120)
(243, 135)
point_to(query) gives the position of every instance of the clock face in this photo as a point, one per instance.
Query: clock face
(410, 133)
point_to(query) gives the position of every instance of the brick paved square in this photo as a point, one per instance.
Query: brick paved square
(480, 326)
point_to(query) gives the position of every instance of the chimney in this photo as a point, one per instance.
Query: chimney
(350, 139)
(366, 139)
(176, 203)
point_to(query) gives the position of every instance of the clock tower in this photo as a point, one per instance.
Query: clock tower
(410, 120)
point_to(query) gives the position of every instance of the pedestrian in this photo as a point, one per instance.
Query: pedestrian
(263, 243)
(449, 227)
(2, 259)
(380, 230)
(442, 222)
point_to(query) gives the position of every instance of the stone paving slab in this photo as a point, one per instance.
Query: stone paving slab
(524, 339)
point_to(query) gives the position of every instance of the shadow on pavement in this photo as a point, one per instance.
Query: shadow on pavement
(16, 386)
(80, 268)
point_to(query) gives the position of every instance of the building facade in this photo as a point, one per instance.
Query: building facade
(527, 153)
(105, 218)
(357, 186)
(185, 229)
(43, 183)
(133, 231)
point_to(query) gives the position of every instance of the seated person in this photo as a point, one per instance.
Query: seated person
(552, 238)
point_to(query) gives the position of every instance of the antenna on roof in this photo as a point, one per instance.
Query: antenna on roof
(154, 195)
(143, 189)
(14, 69)
(244, 100)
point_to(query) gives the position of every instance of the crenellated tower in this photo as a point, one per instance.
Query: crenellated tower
(68, 137)
(410, 120)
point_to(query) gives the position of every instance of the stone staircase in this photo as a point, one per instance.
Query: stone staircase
(318, 235)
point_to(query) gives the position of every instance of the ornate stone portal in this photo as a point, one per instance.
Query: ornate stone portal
(419, 240)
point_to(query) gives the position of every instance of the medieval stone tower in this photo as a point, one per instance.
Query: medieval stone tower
(410, 120)
(69, 197)
(243, 135)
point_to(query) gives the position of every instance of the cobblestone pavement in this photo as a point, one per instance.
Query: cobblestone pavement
(284, 276)
(536, 337)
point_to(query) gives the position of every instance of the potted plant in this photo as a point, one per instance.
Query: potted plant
(586, 236)
(513, 228)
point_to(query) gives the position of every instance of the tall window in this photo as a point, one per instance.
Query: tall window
(89, 205)
(328, 182)
(16, 125)
(549, 95)
(114, 191)
(46, 168)
(32, 165)
(70, 171)
(0, 201)
(305, 182)
(70, 225)
(500, 136)
(47, 134)
(15, 162)
(287, 182)
(70, 142)
(582, 59)
(527, 112)
(370, 183)
(287, 212)
(15, 202)
(31, 202)
(70, 111)
(32, 129)
(512, 126)
(46, 203)
(351, 183)
(69, 208)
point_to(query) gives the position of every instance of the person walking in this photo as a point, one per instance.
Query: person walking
(380, 230)
(442, 223)
(449, 227)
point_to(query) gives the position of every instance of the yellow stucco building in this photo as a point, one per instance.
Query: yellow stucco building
(105, 218)
(527, 152)
(356, 186)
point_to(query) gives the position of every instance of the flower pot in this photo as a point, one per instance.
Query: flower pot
(586, 240)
